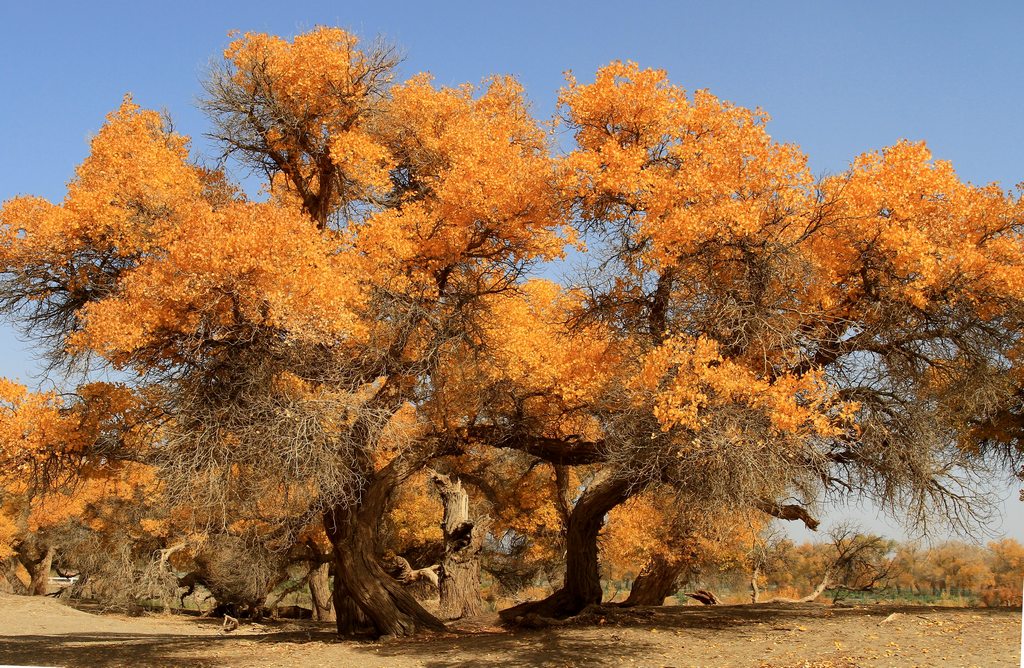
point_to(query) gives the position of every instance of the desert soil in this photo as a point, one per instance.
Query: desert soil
(45, 632)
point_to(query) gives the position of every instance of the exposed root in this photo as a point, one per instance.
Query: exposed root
(592, 615)
(230, 624)
(704, 596)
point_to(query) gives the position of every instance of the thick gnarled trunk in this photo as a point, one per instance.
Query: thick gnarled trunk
(360, 580)
(656, 582)
(582, 585)
(386, 605)
(459, 575)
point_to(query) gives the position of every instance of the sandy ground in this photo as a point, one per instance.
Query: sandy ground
(45, 632)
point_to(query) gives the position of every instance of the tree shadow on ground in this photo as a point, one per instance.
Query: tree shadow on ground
(611, 643)
(616, 641)
(520, 649)
(734, 617)
(105, 649)
(608, 642)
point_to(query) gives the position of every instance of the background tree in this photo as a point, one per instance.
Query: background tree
(1007, 567)
(662, 546)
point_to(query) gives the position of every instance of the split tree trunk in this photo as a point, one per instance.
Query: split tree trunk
(41, 574)
(353, 531)
(320, 593)
(582, 586)
(459, 575)
(656, 582)
(37, 560)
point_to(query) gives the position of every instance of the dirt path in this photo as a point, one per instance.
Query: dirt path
(44, 632)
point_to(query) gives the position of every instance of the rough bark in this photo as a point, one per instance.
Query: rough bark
(755, 591)
(354, 534)
(349, 619)
(563, 496)
(582, 585)
(656, 582)
(459, 575)
(320, 593)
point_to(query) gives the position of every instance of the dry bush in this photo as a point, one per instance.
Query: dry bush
(113, 570)
(241, 571)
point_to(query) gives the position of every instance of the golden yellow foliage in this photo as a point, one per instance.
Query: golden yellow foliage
(531, 346)
(687, 171)
(690, 379)
(175, 266)
(323, 83)
(474, 185)
(926, 234)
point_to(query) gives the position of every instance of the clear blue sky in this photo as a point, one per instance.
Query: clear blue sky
(838, 78)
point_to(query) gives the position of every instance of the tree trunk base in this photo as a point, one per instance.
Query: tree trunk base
(560, 605)
(460, 589)
(656, 582)
(39, 570)
(364, 592)
(582, 585)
